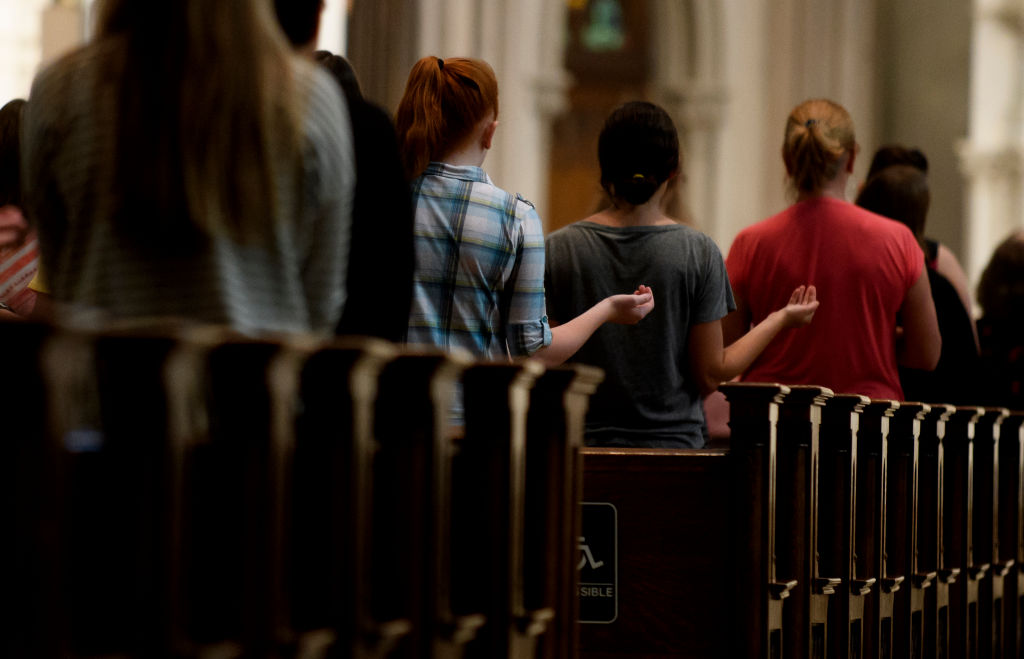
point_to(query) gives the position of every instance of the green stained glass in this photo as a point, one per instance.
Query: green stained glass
(604, 31)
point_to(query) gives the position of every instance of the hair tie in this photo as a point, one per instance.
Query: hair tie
(638, 177)
(810, 122)
(440, 63)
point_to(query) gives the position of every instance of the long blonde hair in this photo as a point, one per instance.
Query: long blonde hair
(206, 113)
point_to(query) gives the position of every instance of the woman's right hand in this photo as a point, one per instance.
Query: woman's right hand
(802, 305)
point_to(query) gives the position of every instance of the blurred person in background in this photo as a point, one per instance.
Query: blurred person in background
(381, 257)
(18, 260)
(900, 192)
(1001, 326)
(300, 22)
(186, 164)
(938, 257)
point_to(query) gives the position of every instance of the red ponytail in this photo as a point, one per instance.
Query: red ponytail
(444, 101)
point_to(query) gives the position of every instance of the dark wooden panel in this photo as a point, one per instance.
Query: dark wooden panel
(805, 614)
(1011, 529)
(931, 503)
(986, 532)
(675, 546)
(27, 499)
(871, 526)
(958, 524)
(902, 546)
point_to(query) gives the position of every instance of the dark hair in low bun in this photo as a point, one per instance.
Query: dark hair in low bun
(899, 192)
(895, 154)
(638, 151)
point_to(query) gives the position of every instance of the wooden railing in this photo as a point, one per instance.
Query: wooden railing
(833, 526)
(197, 494)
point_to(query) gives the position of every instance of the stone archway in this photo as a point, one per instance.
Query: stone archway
(678, 66)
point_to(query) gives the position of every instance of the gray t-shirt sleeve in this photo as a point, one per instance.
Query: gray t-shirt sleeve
(713, 298)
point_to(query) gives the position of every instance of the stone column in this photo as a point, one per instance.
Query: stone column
(524, 41)
(687, 81)
(991, 156)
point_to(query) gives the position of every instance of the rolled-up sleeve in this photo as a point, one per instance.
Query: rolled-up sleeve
(527, 328)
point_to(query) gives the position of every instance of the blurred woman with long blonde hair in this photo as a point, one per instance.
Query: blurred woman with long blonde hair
(186, 164)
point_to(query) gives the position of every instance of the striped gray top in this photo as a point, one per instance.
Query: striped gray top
(294, 284)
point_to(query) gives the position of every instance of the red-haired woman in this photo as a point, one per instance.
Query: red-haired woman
(868, 270)
(479, 278)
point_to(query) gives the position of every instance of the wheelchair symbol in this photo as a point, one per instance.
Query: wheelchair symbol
(588, 556)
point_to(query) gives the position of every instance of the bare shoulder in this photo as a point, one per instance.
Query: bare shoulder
(949, 267)
(947, 263)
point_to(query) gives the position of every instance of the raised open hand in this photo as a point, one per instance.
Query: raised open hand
(631, 309)
(802, 305)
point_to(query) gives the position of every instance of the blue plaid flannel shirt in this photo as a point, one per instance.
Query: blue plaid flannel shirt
(479, 279)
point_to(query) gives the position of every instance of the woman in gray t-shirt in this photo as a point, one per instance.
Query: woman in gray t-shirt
(656, 372)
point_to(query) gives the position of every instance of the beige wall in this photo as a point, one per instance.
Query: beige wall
(779, 53)
(20, 46)
(924, 60)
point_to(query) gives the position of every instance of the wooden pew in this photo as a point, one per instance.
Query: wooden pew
(805, 615)
(264, 498)
(656, 524)
(986, 532)
(281, 507)
(328, 540)
(759, 590)
(554, 470)
(871, 526)
(648, 502)
(233, 454)
(489, 512)
(415, 592)
(931, 536)
(903, 549)
(28, 506)
(114, 482)
(958, 525)
(1011, 527)
(839, 466)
